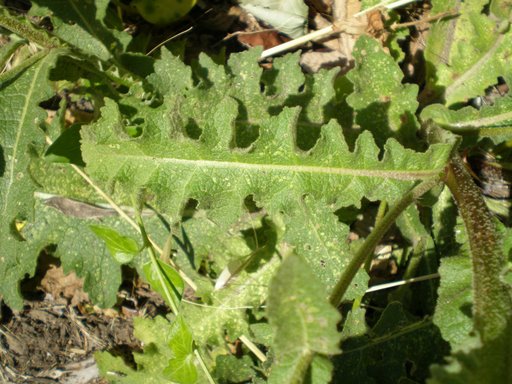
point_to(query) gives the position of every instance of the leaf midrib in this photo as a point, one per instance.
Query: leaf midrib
(407, 175)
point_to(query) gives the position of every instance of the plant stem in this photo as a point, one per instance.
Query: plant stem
(25, 30)
(156, 265)
(203, 366)
(373, 239)
(492, 300)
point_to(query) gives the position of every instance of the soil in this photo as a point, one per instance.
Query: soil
(54, 337)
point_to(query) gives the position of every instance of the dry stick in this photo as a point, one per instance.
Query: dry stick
(376, 235)
(169, 39)
(337, 27)
(393, 284)
(442, 15)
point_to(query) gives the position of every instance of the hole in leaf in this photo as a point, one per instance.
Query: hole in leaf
(251, 205)
(262, 241)
(189, 209)
(486, 9)
(246, 132)
(30, 286)
(52, 103)
(192, 129)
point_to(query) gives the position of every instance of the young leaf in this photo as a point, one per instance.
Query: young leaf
(122, 248)
(172, 281)
(19, 138)
(181, 368)
(303, 320)
(465, 54)
(156, 336)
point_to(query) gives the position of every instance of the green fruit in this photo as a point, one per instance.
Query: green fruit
(163, 12)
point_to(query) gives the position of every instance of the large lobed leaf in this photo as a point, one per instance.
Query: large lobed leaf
(250, 143)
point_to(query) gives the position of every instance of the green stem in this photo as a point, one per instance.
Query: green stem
(373, 239)
(492, 301)
(154, 261)
(383, 206)
(25, 30)
(203, 366)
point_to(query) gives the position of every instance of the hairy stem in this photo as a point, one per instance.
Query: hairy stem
(25, 30)
(373, 239)
(492, 300)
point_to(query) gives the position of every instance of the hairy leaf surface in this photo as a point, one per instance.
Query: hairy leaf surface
(20, 138)
(466, 54)
(81, 24)
(304, 322)
(382, 103)
(493, 121)
(382, 355)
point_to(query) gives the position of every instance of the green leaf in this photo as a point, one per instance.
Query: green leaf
(181, 368)
(384, 354)
(155, 335)
(81, 24)
(465, 54)
(172, 281)
(122, 248)
(493, 121)
(77, 247)
(473, 362)
(303, 320)
(229, 368)
(320, 371)
(382, 103)
(454, 308)
(20, 138)
(170, 73)
(66, 149)
(320, 239)
(220, 178)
